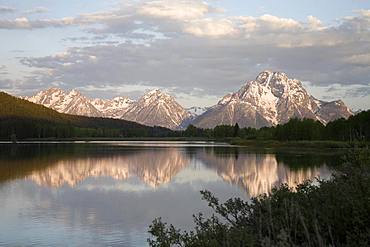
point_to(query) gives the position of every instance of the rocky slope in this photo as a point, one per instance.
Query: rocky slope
(157, 108)
(271, 99)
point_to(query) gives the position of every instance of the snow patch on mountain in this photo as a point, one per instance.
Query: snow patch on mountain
(114, 108)
(197, 110)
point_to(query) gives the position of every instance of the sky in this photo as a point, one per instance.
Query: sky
(197, 51)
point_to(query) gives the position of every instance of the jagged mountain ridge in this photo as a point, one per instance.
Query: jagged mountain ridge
(155, 108)
(72, 102)
(75, 103)
(271, 99)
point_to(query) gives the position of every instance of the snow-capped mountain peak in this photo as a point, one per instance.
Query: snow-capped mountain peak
(157, 108)
(152, 92)
(72, 102)
(272, 98)
(267, 76)
(122, 102)
(156, 95)
(47, 97)
(75, 103)
(74, 92)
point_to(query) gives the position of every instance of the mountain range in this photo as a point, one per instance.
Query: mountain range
(272, 98)
(155, 108)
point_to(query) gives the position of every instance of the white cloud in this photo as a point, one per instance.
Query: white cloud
(177, 10)
(6, 9)
(37, 10)
(210, 27)
(314, 23)
(274, 23)
(364, 12)
(268, 24)
(3, 70)
(25, 23)
(360, 59)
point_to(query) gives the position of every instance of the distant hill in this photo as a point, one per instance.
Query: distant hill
(29, 120)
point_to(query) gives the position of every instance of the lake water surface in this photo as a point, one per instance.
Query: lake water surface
(107, 193)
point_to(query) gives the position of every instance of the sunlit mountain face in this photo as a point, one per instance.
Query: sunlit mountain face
(254, 173)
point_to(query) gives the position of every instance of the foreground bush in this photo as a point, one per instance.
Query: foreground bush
(335, 212)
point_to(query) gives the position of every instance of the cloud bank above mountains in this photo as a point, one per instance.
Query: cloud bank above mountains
(193, 49)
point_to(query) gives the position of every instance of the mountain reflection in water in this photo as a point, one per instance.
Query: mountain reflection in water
(107, 194)
(255, 173)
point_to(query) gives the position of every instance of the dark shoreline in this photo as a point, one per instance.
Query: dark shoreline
(297, 144)
(116, 139)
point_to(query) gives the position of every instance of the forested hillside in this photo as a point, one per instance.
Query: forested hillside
(22, 119)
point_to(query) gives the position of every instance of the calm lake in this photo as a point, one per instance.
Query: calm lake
(107, 193)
